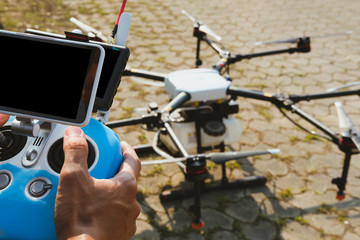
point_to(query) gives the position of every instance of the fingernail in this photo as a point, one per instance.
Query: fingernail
(73, 131)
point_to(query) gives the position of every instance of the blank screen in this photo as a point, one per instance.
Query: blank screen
(42, 77)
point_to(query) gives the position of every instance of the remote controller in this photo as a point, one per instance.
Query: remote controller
(29, 175)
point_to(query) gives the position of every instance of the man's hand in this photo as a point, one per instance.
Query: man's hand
(3, 119)
(89, 208)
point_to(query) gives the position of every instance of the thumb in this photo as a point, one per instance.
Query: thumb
(75, 151)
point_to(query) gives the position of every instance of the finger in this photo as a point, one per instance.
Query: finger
(3, 119)
(131, 163)
(75, 150)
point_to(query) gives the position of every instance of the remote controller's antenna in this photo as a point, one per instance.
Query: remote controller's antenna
(117, 21)
(123, 29)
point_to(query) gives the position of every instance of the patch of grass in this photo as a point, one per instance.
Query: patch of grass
(294, 139)
(211, 165)
(301, 74)
(238, 116)
(301, 220)
(134, 87)
(222, 201)
(233, 165)
(286, 194)
(256, 85)
(85, 10)
(128, 112)
(303, 189)
(263, 111)
(342, 216)
(240, 70)
(157, 169)
(161, 59)
(280, 222)
(48, 15)
(285, 159)
(325, 209)
(311, 137)
(142, 138)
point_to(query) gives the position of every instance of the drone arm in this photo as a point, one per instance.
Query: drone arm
(302, 46)
(298, 98)
(332, 134)
(146, 119)
(153, 117)
(241, 92)
(240, 57)
(282, 101)
(144, 74)
(181, 98)
(177, 101)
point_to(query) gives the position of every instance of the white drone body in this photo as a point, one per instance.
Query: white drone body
(203, 85)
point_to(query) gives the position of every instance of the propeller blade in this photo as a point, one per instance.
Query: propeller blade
(343, 87)
(290, 40)
(215, 157)
(356, 140)
(202, 27)
(294, 40)
(227, 156)
(333, 34)
(192, 18)
(162, 161)
(344, 120)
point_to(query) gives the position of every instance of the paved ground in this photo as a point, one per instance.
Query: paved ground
(299, 200)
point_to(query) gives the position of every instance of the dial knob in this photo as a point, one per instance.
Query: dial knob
(39, 187)
(5, 180)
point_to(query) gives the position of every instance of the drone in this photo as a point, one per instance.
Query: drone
(200, 118)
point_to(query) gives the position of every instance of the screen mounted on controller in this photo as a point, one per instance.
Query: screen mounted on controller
(114, 64)
(48, 79)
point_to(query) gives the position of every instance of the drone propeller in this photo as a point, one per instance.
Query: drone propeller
(222, 157)
(343, 87)
(295, 40)
(202, 27)
(347, 125)
(217, 158)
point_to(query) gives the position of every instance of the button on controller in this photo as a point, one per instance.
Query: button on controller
(38, 188)
(31, 155)
(5, 180)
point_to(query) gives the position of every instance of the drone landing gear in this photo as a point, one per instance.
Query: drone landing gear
(340, 182)
(196, 172)
(193, 166)
(349, 148)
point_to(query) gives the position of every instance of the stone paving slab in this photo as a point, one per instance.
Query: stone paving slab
(299, 200)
